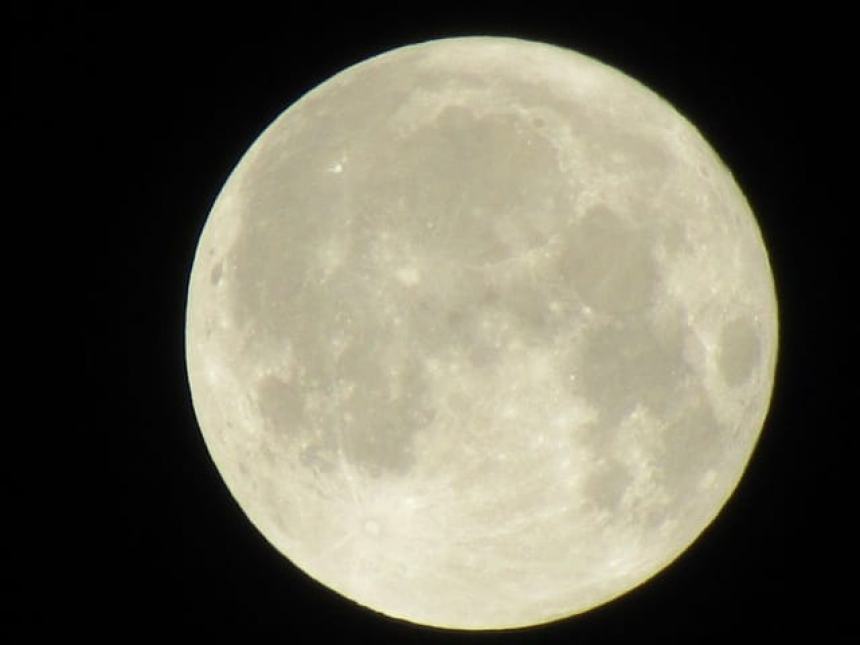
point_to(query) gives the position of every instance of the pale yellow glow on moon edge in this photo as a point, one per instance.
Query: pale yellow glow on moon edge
(481, 333)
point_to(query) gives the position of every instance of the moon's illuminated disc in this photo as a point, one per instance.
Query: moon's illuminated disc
(481, 333)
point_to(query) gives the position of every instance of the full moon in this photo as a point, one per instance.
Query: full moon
(481, 333)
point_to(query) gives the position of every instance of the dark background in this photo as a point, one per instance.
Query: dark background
(125, 125)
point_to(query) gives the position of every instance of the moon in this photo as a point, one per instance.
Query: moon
(481, 333)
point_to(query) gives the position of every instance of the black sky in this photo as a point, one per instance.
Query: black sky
(126, 124)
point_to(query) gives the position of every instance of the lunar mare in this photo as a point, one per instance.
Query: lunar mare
(481, 333)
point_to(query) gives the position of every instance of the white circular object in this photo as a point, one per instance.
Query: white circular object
(481, 333)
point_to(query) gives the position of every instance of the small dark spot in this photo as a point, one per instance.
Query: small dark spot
(215, 276)
(538, 122)
(490, 297)
(456, 318)
(268, 455)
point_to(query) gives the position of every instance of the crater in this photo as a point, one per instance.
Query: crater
(740, 350)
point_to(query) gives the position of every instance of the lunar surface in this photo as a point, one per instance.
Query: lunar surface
(481, 333)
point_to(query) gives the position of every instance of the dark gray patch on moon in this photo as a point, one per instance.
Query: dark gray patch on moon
(384, 412)
(491, 190)
(626, 364)
(694, 443)
(740, 350)
(215, 276)
(281, 406)
(610, 263)
(267, 281)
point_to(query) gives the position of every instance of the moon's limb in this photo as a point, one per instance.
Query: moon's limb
(481, 319)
